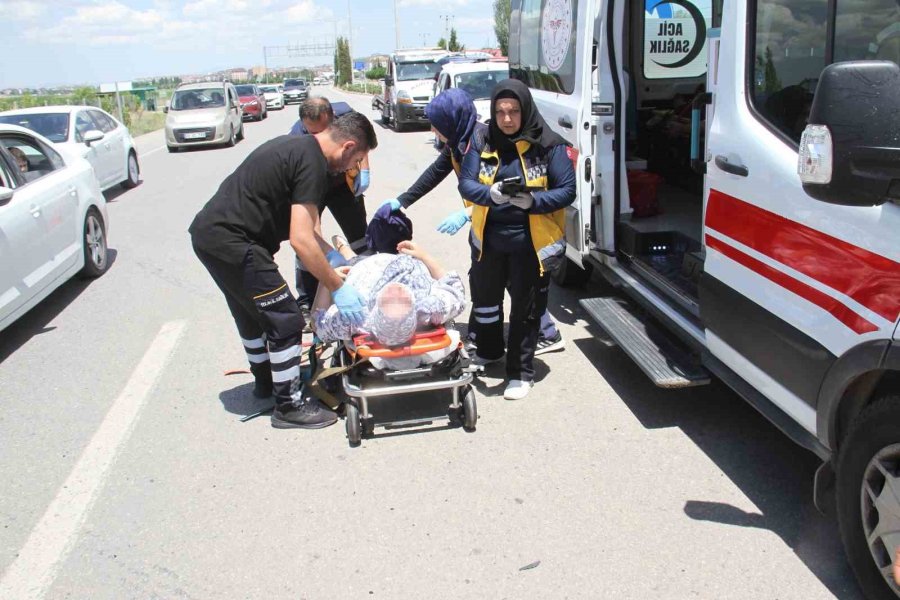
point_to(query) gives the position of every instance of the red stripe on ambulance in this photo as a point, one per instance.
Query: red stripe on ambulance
(871, 279)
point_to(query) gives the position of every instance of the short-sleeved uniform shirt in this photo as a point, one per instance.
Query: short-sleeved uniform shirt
(253, 204)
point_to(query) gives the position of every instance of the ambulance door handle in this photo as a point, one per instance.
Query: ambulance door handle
(565, 122)
(733, 168)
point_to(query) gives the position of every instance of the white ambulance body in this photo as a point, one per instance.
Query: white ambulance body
(737, 269)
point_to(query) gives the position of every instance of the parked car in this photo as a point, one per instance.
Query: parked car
(93, 133)
(477, 78)
(53, 220)
(295, 90)
(204, 114)
(274, 96)
(253, 102)
(317, 81)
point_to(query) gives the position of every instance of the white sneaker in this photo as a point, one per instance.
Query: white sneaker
(517, 389)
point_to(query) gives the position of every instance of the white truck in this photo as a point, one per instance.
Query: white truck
(738, 168)
(408, 87)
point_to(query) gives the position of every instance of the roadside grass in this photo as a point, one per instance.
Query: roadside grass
(359, 88)
(146, 121)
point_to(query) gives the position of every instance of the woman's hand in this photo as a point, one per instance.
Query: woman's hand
(343, 271)
(411, 248)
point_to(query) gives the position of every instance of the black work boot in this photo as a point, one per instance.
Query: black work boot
(262, 374)
(308, 413)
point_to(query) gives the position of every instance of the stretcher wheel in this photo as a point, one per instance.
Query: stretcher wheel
(470, 410)
(351, 420)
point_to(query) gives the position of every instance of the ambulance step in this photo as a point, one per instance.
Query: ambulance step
(666, 362)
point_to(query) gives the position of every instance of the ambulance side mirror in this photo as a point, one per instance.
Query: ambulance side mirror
(850, 151)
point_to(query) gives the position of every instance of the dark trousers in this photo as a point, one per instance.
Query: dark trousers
(266, 315)
(517, 273)
(350, 214)
(546, 331)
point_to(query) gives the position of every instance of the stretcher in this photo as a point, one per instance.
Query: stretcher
(363, 376)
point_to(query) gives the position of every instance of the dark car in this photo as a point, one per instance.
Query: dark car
(295, 90)
(253, 102)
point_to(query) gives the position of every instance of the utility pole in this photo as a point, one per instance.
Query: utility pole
(396, 28)
(446, 19)
(350, 41)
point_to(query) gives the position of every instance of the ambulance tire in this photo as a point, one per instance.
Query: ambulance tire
(569, 274)
(385, 118)
(868, 452)
(351, 421)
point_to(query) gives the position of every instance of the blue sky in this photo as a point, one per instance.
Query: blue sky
(56, 42)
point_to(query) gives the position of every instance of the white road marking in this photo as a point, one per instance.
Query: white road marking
(34, 569)
(148, 153)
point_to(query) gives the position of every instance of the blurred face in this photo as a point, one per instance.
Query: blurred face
(318, 126)
(439, 135)
(508, 115)
(21, 161)
(395, 301)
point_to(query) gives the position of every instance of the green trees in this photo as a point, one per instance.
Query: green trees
(501, 24)
(453, 45)
(377, 71)
(343, 64)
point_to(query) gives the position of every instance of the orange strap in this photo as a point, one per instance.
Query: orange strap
(426, 341)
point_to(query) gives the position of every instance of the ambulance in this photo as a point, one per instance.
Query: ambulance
(738, 169)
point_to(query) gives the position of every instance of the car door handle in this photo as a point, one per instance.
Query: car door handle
(729, 167)
(565, 122)
(35, 211)
(73, 192)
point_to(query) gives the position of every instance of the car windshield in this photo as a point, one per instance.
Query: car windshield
(53, 126)
(268, 89)
(480, 84)
(292, 83)
(194, 99)
(412, 71)
(244, 90)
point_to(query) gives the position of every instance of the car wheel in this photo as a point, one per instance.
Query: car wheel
(398, 126)
(232, 138)
(93, 239)
(134, 171)
(868, 496)
(240, 133)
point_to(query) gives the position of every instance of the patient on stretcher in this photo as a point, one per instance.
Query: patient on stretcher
(405, 293)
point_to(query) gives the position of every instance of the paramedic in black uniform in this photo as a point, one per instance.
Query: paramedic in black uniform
(344, 199)
(274, 196)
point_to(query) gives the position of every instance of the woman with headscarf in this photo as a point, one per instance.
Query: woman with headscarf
(454, 120)
(517, 238)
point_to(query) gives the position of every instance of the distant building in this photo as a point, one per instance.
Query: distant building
(377, 59)
(238, 75)
(258, 72)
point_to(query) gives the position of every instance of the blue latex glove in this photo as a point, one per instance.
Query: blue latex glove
(361, 184)
(350, 304)
(395, 204)
(454, 222)
(335, 259)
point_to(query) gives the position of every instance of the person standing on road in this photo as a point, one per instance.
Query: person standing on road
(344, 198)
(274, 196)
(454, 120)
(517, 238)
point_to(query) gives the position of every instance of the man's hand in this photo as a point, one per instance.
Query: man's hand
(395, 204)
(350, 304)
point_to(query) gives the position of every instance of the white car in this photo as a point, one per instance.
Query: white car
(53, 220)
(477, 78)
(93, 133)
(274, 95)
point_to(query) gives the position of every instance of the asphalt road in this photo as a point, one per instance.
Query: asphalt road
(126, 473)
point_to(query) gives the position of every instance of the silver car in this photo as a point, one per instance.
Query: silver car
(204, 114)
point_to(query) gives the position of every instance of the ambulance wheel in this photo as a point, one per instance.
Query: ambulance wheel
(470, 410)
(351, 420)
(868, 506)
(570, 274)
(385, 119)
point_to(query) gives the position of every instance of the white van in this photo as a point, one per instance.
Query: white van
(408, 87)
(785, 286)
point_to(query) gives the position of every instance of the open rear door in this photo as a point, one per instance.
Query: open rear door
(550, 50)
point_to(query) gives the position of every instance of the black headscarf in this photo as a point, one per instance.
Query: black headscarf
(534, 129)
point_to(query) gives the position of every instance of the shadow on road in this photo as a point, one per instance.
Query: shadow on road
(35, 321)
(775, 474)
(114, 193)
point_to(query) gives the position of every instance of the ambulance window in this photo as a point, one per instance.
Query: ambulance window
(789, 55)
(542, 44)
(867, 30)
(675, 38)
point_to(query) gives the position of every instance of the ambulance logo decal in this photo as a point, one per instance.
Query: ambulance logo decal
(556, 32)
(670, 35)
